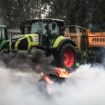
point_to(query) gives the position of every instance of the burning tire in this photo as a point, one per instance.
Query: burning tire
(67, 56)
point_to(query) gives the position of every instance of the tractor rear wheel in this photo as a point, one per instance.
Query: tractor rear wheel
(67, 56)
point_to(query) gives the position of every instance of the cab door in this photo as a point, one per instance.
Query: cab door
(54, 32)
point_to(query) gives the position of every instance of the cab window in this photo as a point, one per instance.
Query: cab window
(39, 27)
(54, 29)
(36, 27)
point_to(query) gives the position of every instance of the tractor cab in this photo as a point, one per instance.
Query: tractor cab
(47, 29)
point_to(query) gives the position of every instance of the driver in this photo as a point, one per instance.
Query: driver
(45, 31)
(46, 36)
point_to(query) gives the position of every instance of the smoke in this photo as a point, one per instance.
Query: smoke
(14, 91)
(86, 86)
(36, 62)
(19, 79)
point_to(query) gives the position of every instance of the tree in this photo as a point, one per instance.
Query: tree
(80, 12)
(14, 11)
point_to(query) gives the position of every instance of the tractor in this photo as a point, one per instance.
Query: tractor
(47, 35)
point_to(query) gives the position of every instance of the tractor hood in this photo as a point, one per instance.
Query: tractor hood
(25, 42)
(34, 36)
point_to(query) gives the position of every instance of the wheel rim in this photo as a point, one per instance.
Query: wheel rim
(68, 58)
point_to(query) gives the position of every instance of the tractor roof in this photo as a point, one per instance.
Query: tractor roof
(46, 19)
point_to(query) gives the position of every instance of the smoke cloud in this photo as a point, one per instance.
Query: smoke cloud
(86, 86)
(19, 79)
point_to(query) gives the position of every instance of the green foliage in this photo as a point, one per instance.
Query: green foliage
(14, 11)
(81, 12)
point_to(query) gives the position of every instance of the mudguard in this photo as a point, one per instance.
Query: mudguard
(62, 40)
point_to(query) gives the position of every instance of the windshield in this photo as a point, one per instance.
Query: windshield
(34, 27)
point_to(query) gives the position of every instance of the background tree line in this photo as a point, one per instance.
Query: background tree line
(81, 12)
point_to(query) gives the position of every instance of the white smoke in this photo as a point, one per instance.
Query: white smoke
(86, 86)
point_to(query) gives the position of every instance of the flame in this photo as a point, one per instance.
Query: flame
(47, 79)
(60, 72)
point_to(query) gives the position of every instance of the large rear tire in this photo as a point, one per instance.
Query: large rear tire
(66, 56)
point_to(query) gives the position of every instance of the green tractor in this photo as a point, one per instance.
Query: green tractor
(4, 42)
(47, 35)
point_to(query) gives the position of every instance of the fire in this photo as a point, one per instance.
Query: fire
(63, 73)
(47, 79)
(58, 72)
